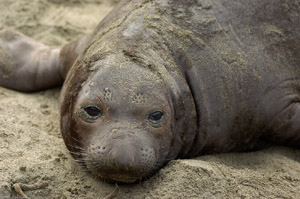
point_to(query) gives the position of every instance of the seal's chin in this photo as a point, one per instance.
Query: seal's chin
(120, 178)
(122, 175)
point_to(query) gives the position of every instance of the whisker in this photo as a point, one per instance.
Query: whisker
(76, 153)
(82, 160)
(78, 141)
(79, 161)
(76, 147)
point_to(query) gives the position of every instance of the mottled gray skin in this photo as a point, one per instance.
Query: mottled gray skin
(226, 75)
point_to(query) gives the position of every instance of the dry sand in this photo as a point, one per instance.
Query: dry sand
(32, 151)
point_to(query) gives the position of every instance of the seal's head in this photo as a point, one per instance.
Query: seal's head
(123, 117)
(122, 123)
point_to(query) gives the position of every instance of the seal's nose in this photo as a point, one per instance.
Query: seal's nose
(123, 151)
(123, 158)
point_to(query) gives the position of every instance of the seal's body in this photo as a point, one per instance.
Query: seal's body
(159, 80)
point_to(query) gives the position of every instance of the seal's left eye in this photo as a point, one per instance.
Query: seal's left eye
(93, 111)
(156, 117)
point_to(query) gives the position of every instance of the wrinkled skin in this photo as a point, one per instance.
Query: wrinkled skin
(159, 80)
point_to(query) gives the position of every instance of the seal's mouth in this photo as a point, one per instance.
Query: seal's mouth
(120, 175)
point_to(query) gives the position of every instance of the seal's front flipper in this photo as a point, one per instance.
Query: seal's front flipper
(26, 65)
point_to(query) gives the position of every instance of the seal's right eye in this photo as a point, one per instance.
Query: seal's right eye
(93, 112)
(156, 117)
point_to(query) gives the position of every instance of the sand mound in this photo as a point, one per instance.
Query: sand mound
(33, 152)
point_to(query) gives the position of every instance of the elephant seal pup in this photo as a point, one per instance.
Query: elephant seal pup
(165, 79)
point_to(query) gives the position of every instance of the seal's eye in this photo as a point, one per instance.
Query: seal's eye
(93, 112)
(156, 117)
